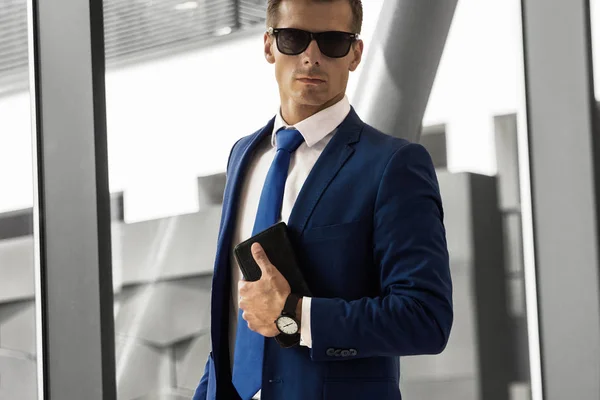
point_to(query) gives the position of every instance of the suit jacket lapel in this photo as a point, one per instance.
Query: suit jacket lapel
(333, 158)
(222, 272)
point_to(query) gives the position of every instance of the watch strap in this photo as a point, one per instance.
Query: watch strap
(289, 309)
(290, 305)
(287, 341)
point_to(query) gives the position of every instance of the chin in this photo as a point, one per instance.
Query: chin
(312, 98)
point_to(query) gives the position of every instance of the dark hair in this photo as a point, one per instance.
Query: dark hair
(357, 11)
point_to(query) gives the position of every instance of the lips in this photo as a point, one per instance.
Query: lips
(314, 81)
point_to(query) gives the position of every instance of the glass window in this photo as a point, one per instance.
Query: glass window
(476, 112)
(171, 69)
(18, 354)
(173, 87)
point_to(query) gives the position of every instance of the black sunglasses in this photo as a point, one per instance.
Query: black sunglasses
(332, 44)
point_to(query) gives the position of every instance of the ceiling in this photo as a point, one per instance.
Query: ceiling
(134, 30)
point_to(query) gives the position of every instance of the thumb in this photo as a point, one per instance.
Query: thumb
(261, 258)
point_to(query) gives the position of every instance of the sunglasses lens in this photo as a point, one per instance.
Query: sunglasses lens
(334, 44)
(292, 41)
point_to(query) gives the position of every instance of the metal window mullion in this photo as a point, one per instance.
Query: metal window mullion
(74, 299)
(564, 181)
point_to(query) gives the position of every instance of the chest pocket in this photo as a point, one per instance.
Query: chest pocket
(348, 230)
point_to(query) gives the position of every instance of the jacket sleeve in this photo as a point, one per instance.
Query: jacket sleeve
(413, 314)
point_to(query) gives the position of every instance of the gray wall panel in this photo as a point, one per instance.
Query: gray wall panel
(16, 269)
(173, 247)
(507, 159)
(210, 190)
(141, 368)
(457, 207)
(162, 313)
(18, 377)
(516, 298)
(17, 327)
(520, 391)
(433, 138)
(191, 358)
(513, 240)
(455, 389)
(116, 238)
(16, 223)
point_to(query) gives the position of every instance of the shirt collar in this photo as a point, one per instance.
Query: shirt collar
(317, 126)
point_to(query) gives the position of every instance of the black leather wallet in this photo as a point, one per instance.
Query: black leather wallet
(276, 243)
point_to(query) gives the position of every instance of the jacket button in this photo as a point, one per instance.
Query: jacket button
(353, 352)
(345, 353)
(330, 352)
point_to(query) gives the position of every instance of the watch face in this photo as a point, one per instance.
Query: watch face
(287, 325)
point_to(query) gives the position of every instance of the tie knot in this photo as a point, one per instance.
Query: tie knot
(289, 140)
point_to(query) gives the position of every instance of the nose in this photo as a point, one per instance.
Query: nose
(312, 55)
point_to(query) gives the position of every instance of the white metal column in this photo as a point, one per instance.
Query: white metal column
(401, 66)
(74, 300)
(564, 181)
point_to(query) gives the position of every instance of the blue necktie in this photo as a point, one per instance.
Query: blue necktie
(249, 345)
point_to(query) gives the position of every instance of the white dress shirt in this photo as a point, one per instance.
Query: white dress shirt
(317, 131)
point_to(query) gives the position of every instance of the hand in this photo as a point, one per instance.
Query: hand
(263, 300)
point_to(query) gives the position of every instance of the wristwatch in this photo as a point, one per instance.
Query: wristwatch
(287, 323)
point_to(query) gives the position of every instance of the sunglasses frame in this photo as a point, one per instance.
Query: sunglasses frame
(313, 36)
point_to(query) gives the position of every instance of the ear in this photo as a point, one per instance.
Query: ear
(357, 51)
(269, 56)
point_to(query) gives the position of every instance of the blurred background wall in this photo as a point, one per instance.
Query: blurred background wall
(177, 73)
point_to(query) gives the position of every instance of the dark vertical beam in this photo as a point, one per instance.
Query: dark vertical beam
(238, 20)
(493, 329)
(402, 63)
(564, 181)
(16, 223)
(74, 299)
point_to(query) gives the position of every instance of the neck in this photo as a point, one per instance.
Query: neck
(293, 112)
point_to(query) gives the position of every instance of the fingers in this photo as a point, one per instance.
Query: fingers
(256, 326)
(250, 321)
(242, 288)
(261, 258)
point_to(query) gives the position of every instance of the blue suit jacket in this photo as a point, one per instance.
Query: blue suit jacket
(368, 229)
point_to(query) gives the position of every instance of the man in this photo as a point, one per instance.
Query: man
(364, 213)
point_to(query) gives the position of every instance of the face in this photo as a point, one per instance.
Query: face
(330, 74)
